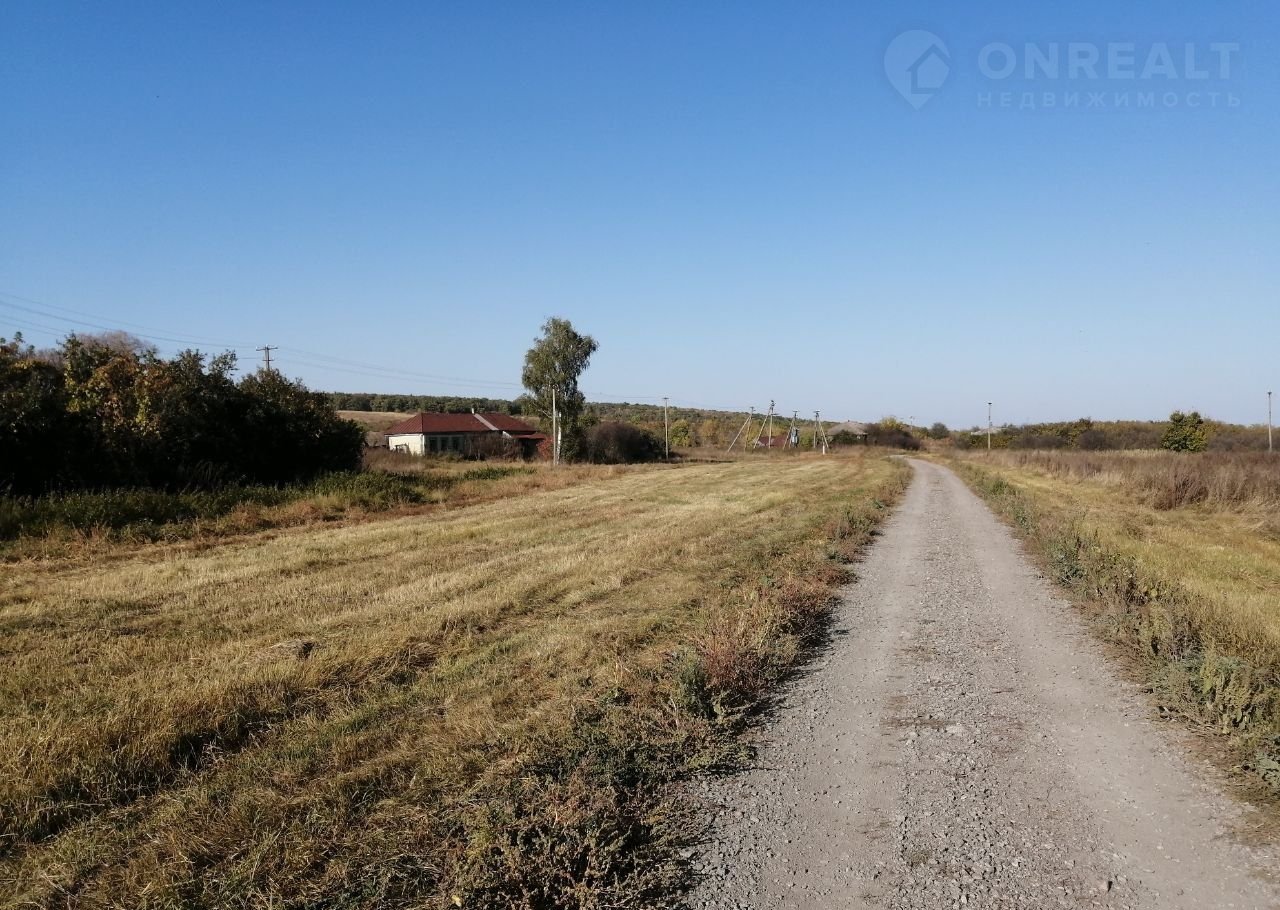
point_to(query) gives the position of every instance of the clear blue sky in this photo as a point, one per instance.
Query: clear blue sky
(732, 197)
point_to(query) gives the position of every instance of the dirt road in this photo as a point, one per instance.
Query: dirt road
(963, 743)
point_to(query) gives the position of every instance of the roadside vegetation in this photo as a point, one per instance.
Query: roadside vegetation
(1183, 431)
(107, 412)
(1178, 555)
(489, 708)
(61, 524)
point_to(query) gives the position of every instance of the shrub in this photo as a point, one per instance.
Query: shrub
(100, 415)
(892, 436)
(614, 442)
(1186, 433)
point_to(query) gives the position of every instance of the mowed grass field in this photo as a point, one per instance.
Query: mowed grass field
(478, 707)
(1182, 552)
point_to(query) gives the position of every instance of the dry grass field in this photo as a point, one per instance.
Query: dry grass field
(477, 707)
(1182, 553)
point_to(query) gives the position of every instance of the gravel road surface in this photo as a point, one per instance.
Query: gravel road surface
(962, 742)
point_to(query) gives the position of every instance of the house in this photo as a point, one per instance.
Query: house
(464, 434)
(786, 440)
(850, 427)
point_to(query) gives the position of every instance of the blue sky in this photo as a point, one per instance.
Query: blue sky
(732, 197)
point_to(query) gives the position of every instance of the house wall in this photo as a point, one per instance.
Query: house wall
(433, 443)
(413, 442)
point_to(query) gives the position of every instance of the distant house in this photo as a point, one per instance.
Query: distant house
(790, 439)
(464, 434)
(851, 427)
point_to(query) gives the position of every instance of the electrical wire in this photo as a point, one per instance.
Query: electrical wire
(297, 357)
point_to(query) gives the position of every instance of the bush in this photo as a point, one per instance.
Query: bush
(98, 415)
(1186, 433)
(614, 442)
(892, 436)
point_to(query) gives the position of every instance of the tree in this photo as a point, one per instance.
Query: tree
(709, 432)
(1186, 433)
(112, 413)
(939, 431)
(681, 433)
(553, 365)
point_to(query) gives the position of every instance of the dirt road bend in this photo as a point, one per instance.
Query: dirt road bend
(963, 743)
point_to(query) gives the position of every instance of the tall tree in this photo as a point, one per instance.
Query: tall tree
(554, 364)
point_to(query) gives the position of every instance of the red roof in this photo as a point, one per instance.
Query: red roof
(510, 424)
(433, 423)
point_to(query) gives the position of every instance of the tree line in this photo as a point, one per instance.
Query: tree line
(99, 412)
(1182, 432)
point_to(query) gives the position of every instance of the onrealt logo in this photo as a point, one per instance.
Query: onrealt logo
(1115, 60)
(1114, 74)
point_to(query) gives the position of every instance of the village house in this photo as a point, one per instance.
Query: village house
(462, 434)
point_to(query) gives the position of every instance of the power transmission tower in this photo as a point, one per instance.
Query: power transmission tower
(666, 431)
(793, 434)
(751, 415)
(266, 350)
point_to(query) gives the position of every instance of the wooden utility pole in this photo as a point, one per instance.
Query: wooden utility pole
(767, 422)
(666, 431)
(819, 433)
(988, 427)
(751, 415)
(555, 429)
(1269, 449)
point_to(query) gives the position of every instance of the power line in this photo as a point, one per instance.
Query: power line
(94, 321)
(319, 361)
(298, 357)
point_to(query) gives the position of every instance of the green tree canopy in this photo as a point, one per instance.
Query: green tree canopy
(554, 364)
(108, 411)
(1186, 433)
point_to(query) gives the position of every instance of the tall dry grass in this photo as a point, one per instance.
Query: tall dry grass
(1167, 480)
(480, 706)
(1179, 558)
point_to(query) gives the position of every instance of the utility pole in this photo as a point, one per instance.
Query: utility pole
(266, 350)
(819, 433)
(751, 415)
(767, 422)
(988, 427)
(1269, 449)
(666, 431)
(555, 429)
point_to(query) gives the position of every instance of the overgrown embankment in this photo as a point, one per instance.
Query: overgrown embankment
(488, 707)
(1177, 558)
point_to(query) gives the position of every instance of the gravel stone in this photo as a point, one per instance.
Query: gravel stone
(962, 742)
